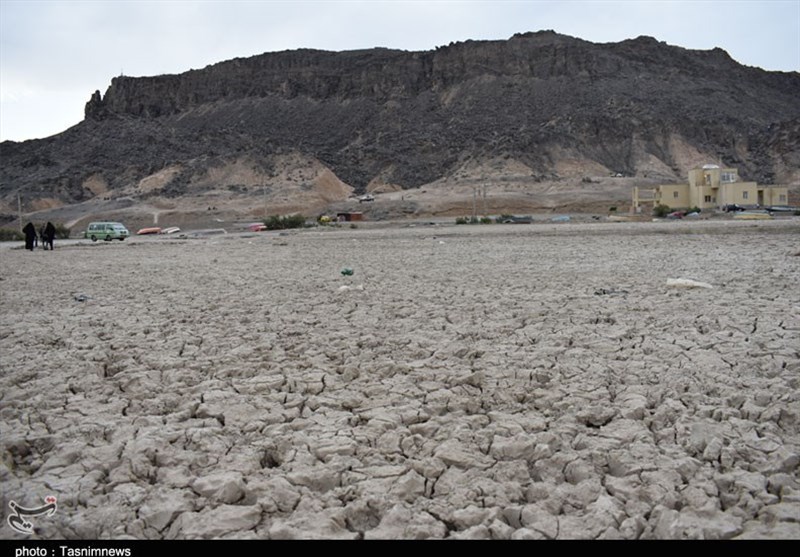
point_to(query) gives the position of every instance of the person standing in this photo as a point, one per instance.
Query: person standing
(30, 236)
(48, 236)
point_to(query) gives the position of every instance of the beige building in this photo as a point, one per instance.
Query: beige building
(712, 187)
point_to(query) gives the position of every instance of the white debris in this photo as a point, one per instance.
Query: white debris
(687, 283)
(346, 288)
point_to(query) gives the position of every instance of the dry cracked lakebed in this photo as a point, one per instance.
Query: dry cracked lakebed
(503, 382)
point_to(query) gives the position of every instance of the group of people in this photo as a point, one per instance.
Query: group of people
(47, 233)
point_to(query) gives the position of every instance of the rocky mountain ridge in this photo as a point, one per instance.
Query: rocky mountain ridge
(300, 129)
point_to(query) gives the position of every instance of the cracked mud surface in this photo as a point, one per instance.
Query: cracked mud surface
(507, 382)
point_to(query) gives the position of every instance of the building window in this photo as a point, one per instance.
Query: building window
(675, 195)
(782, 198)
(708, 179)
(727, 177)
(707, 199)
(744, 195)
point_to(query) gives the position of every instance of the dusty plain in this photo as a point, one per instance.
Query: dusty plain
(500, 381)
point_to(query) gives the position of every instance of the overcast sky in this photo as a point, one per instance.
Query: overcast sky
(55, 53)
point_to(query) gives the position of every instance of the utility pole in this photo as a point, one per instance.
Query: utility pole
(474, 203)
(19, 210)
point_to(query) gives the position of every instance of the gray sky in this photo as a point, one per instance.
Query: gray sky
(55, 53)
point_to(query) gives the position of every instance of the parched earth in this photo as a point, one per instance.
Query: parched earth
(505, 382)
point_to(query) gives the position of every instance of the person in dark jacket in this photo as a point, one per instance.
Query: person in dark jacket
(30, 236)
(48, 236)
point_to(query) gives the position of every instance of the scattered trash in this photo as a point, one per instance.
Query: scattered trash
(441, 241)
(687, 283)
(347, 271)
(608, 292)
(81, 297)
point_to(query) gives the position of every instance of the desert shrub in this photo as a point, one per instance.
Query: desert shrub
(694, 210)
(273, 222)
(473, 220)
(612, 209)
(14, 235)
(62, 232)
(294, 221)
(661, 210)
(11, 235)
(276, 222)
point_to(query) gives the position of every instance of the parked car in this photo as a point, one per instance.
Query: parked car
(367, 197)
(780, 209)
(732, 207)
(106, 231)
(511, 219)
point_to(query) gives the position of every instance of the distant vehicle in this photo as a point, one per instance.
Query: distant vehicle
(171, 230)
(257, 227)
(780, 209)
(676, 215)
(732, 207)
(106, 231)
(152, 230)
(367, 197)
(511, 219)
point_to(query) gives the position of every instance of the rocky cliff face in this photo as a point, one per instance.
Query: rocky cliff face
(558, 107)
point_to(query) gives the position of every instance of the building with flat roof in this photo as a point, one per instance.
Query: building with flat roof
(713, 187)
